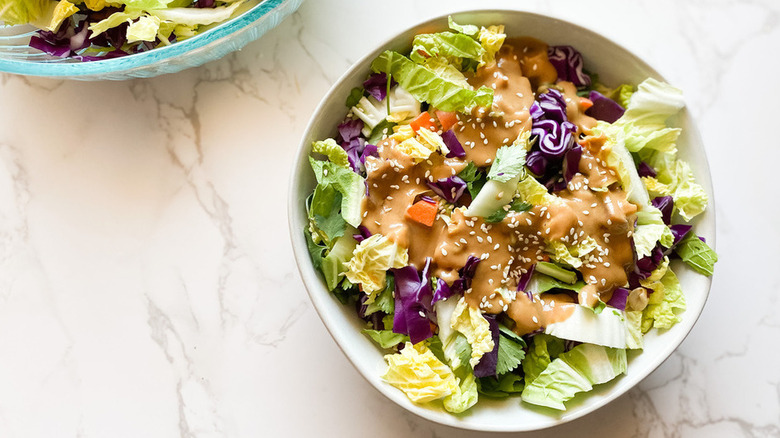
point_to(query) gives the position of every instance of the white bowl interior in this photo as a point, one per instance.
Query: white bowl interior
(615, 65)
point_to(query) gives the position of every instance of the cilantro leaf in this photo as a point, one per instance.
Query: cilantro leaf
(510, 162)
(510, 351)
(314, 250)
(384, 301)
(474, 177)
(517, 205)
(379, 131)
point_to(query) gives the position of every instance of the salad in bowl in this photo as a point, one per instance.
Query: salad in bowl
(502, 222)
(92, 30)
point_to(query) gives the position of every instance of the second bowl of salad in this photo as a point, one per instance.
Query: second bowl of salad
(122, 39)
(503, 219)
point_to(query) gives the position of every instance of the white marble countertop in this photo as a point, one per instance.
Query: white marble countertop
(148, 288)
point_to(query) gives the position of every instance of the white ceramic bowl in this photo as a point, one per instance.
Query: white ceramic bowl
(615, 65)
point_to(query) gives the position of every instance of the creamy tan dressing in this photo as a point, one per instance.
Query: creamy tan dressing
(510, 247)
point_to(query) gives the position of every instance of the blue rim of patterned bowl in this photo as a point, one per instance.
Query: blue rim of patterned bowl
(144, 63)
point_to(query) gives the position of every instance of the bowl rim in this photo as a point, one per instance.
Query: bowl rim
(313, 284)
(144, 59)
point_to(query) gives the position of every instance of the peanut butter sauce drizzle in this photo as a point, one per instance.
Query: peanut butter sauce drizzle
(510, 247)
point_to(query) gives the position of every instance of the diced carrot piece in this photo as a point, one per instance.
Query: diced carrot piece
(423, 212)
(424, 120)
(446, 119)
(585, 103)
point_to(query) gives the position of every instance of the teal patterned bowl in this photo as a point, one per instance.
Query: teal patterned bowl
(16, 57)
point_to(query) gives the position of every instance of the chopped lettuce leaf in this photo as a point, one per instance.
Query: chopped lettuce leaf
(646, 236)
(54, 15)
(415, 149)
(491, 38)
(334, 265)
(574, 371)
(374, 113)
(143, 29)
(112, 21)
(697, 254)
(690, 199)
(465, 396)
(642, 129)
(623, 93)
(664, 304)
(419, 374)
(571, 255)
(607, 328)
(196, 16)
(386, 338)
(325, 222)
(501, 387)
(559, 252)
(634, 339)
(533, 192)
(335, 153)
(466, 29)
(96, 5)
(432, 140)
(371, 111)
(426, 86)
(146, 4)
(457, 351)
(493, 195)
(650, 137)
(444, 309)
(348, 183)
(447, 45)
(541, 283)
(544, 349)
(620, 159)
(651, 229)
(653, 103)
(556, 272)
(14, 12)
(558, 383)
(370, 262)
(655, 188)
(456, 348)
(475, 327)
